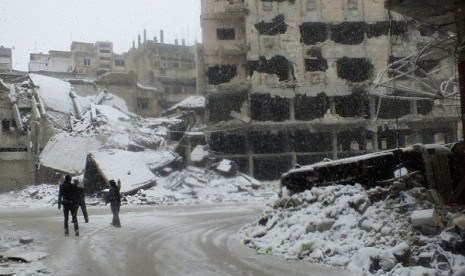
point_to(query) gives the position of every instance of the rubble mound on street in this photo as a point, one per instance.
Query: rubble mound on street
(366, 231)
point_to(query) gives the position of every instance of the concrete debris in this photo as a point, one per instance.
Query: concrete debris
(378, 230)
(424, 217)
(26, 240)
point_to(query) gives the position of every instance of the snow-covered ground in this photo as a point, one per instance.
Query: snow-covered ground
(363, 231)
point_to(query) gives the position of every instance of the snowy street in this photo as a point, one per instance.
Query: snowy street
(161, 240)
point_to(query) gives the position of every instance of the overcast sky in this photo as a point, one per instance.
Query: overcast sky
(43, 25)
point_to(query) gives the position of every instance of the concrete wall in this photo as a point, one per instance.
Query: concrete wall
(17, 170)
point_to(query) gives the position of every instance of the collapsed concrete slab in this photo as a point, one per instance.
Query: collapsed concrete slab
(136, 170)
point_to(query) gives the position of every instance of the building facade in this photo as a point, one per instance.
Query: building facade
(6, 59)
(170, 68)
(54, 61)
(294, 82)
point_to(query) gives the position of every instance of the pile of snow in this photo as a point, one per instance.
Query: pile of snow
(362, 230)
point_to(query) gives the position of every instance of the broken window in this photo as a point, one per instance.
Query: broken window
(377, 29)
(399, 27)
(352, 5)
(142, 103)
(313, 65)
(354, 69)
(305, 141)
(311, 5)
(427, 30)
(219, 74)
(268, 142)
(277, 65)
(393, 108)
(6, 125)
(277, 26)
(119, 62)
(354, 105)
(347, 139)
(226, 34)
(316, 62)
(267, 6)
(267, 108)
(227, 143)
(350, 33)
(425, 66)
(271, 168)
(220, 105)
(313, 32)
(424, 107)
(310, 108)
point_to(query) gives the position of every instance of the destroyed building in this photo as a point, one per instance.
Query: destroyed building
(293, 82)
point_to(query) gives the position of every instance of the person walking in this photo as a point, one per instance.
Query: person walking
(82, 199)
(114, 198)
(68, 195)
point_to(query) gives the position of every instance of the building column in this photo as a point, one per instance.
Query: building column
(188, 151)
(249, 153)
(292, 109)
(374, 140)
(332, 106)
(413, 107)
(334, 144)
(372, 107)
(450, 136)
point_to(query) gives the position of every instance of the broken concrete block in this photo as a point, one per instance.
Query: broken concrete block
(26, 240)
(310, 198)
(387, 261)
(324, 225)
(401, 252)
(424, 218)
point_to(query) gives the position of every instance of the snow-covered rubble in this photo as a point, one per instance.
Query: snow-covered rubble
(189, 186)
(18, 257)
(200, 186)
(366, 231)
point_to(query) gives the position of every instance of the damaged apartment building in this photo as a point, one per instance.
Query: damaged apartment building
(170, 68)
(292, 82)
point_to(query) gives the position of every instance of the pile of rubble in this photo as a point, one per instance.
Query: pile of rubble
(403, 229)
(202, 186)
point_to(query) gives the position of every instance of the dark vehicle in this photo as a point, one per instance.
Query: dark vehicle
(436, 166)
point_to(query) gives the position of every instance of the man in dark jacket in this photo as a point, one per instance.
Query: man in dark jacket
(82, 199)
(114, 198)
(68, 196)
